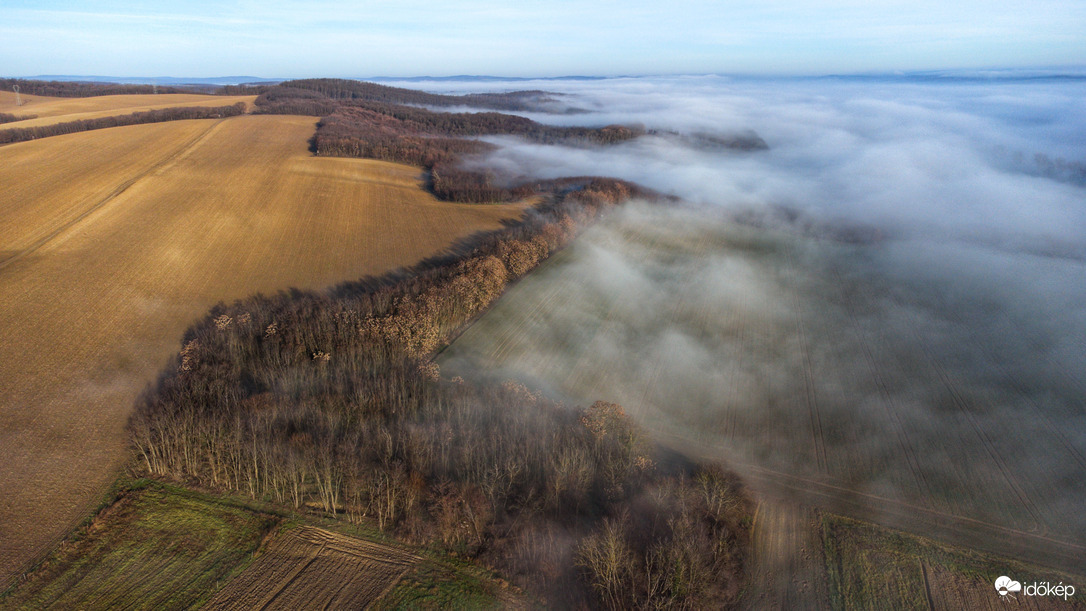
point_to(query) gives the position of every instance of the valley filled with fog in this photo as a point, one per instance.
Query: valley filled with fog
(883, 313)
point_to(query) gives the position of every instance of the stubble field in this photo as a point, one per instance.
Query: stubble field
(50, 110)
(114, 241)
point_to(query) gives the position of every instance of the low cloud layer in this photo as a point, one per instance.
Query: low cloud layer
(939, 362)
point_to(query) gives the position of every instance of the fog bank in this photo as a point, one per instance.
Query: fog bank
(937, 361)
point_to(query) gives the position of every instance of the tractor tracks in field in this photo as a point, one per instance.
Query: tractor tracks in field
(889, 404)
(864, 505)
(808, 378)
(177, 155)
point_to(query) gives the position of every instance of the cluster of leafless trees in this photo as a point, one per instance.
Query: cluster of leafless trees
(281, 100)
(73, 89)
(428, 123)
(350, 90)
(330, 401)
(1060, 169)
(372, 121)
(10, 118)
(22, 134)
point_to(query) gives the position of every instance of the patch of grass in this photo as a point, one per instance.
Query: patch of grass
(445, 585)
(153, 545)
(870, 567)
(156, 547)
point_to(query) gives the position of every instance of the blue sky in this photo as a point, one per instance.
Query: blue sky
(558, 37)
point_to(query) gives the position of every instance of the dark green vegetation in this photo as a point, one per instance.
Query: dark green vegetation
(22, 134)
(870, 567)
(155, 547)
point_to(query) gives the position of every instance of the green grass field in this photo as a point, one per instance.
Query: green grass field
(442, 585)
(158, 546)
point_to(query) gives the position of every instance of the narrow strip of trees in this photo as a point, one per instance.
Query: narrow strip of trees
(75, 89)
(331, 401)
(373, 121)
(22, 134)
(10, 118)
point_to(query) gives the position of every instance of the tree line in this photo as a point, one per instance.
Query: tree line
(77, 89)
(10, 118)
(372, 121)
(331, 400)
(351, 90)
(22, 134)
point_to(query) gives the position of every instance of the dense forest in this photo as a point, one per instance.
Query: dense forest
(348, 90)
(371, 121)
(22, 134)
(331, 401)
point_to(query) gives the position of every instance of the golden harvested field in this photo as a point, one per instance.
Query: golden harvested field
(313, 568)
(59, 110)
(114, 241)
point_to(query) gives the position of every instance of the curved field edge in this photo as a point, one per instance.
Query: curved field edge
(331, 400)
(150, 261)
(153, 545)
(13, 135)
(521, 255)
(47, 110)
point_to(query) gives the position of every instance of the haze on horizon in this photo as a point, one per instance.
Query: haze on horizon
(411, 38)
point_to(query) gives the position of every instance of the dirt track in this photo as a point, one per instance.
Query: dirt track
(116, 240)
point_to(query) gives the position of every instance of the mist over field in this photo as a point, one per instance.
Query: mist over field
(890, 299)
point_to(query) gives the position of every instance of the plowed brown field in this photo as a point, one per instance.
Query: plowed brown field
(59, 110)
(114, 241)
(315, 569)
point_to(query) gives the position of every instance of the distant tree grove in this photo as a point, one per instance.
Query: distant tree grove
(83, 89)
(331, 401)
(373, 121)
(10, 118)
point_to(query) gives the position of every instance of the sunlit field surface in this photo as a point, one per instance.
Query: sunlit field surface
(114, 241)
(46, 110)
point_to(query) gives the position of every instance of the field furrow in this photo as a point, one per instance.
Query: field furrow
(311, 568)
